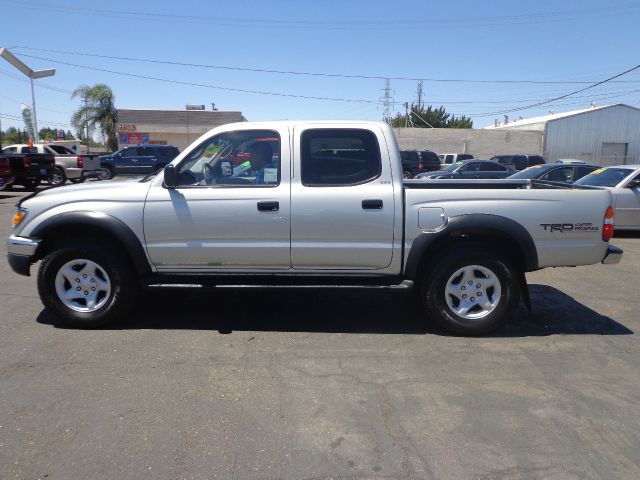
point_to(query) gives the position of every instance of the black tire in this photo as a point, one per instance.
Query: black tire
(114, 265)
(30, 183)
(407, 175)
(77, 180)
(435, 300)
(107, 175)
(57, 178)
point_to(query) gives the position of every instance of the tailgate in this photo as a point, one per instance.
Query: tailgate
(91, 162)
(33, 164)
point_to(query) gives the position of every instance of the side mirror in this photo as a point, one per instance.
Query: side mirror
(634, 183)
(171, 177)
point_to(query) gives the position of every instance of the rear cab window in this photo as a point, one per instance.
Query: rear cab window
(339, 157)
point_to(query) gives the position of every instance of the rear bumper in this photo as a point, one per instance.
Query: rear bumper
(613, 256)
(20, 252)
(91, 173)
(73, 172)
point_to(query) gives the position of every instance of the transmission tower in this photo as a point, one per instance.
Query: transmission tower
(387, 101)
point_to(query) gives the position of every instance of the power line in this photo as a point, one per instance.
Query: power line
(205, 85)
(526, 107)
(272, 23)
(313, 74)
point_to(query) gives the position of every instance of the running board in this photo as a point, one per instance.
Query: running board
(156, 283)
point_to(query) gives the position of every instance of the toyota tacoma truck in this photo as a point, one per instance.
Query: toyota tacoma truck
(69, 165)
(325, 204)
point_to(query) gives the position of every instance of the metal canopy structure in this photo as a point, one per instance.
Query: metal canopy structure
(32, 74)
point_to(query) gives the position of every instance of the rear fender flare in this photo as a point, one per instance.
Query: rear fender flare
(483, 225)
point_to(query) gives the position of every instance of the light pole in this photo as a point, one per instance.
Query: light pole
(33, 75)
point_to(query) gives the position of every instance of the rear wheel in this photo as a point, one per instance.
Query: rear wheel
(57, 178)
(407, 175)
(87, 286)
(30, 183)
(471, 292)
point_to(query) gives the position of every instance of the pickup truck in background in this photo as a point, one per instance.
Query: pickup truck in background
(137, 160)
(28, 167)
(69, 165)
(300, 216)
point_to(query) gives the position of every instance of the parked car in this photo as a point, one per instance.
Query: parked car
(137, 160)
(448, 158)
(624, 183)
(69, 165)
(518, 161)
(6, 178)
(314, 219)
(556, 172)
(417, 161)
(468, 169)
(28, 166)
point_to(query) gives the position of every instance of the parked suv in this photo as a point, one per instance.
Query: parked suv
(137, 160)
(518, 161)
(418, 161)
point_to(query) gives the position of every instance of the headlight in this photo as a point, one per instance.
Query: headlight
(19, 217)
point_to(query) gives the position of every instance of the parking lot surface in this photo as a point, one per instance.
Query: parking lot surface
(312, 384)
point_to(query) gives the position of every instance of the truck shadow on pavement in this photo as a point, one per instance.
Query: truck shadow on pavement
(342, 311)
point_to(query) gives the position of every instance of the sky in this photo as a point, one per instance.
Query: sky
(328, 59)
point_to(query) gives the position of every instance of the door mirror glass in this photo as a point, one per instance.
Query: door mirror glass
(171, 178)
(634, 183)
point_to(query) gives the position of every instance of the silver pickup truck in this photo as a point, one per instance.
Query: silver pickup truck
(305, 203)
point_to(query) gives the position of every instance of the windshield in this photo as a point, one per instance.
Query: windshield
(605, 177)
(531, 172)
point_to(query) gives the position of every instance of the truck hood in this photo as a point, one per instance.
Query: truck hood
(112, 191)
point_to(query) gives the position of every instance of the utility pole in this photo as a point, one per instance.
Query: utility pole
(387, 101)
(419, 94)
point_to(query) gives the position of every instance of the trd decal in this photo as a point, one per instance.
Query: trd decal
(569, 227)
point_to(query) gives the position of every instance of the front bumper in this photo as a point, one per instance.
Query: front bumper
(613, 256)
(20, 253)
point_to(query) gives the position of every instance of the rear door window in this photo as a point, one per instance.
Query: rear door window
(339, 157)
(492, 167)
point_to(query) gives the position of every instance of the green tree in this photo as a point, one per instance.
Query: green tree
(429, 117)
(97, 111)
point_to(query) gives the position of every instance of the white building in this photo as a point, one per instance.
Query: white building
(169, 127)
(607, 135)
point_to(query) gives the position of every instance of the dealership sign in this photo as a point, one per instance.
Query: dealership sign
(134, 138)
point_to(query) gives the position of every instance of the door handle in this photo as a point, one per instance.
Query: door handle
(268, 206)
(372, 204)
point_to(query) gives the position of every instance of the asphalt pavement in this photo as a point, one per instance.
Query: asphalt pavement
(318, 384)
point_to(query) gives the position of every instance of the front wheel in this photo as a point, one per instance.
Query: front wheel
(106, 173)
(87, 286)
(471, 292)
(57, 178)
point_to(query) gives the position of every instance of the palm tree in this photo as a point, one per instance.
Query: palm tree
(97, 111)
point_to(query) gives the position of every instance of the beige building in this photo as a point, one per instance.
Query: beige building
(169, 127)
